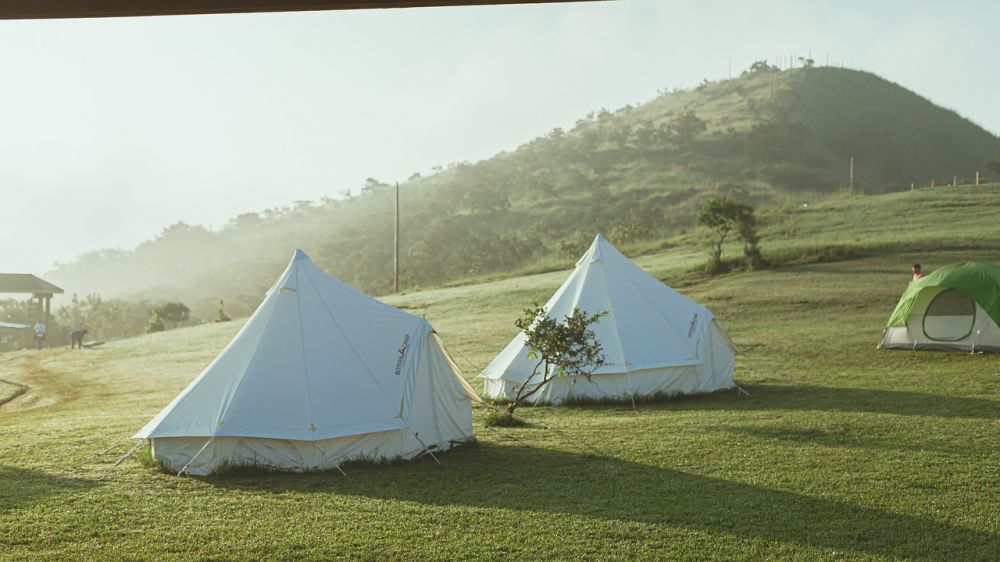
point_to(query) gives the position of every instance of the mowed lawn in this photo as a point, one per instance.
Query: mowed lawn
(842, 451)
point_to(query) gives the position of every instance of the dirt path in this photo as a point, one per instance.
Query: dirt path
(41, 387)
(21, 389)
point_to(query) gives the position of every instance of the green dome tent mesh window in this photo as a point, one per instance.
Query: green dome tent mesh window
(949, 316)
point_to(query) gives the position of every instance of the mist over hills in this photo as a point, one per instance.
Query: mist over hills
(636, 173)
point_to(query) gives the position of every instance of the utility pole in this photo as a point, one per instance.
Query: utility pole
(395, 248)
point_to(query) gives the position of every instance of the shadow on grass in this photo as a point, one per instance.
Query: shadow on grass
(837, 437)
(20, 487)
(609, 489)
(837, 399)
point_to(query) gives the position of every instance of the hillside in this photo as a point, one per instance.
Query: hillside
(842, 452)
(636, 174)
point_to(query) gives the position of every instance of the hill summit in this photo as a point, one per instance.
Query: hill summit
(635, 173)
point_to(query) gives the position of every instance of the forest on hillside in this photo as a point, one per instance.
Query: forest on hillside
(637, 173)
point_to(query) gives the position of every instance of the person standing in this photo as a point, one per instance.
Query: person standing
(40, 334)
(918, 274)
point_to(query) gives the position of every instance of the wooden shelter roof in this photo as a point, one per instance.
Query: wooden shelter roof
(26, 283)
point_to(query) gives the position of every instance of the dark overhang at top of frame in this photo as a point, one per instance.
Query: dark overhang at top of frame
(55, 9)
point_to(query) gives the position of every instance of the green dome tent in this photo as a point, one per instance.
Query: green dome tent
(956, 307)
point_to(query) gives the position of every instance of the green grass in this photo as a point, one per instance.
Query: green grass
(841, 452)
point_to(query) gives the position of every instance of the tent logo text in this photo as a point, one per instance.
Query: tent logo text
(694, 324)
(402, 354)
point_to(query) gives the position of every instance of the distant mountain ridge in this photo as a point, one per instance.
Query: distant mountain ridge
(635, 173)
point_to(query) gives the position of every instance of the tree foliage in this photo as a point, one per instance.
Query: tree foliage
(723, 215)
(761, 66)
(687, 126)
(175, 312)
(156, 323)
(562, 348)
(103, 318)
(993, 167)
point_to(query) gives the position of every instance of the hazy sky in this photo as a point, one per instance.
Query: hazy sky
(111, 130)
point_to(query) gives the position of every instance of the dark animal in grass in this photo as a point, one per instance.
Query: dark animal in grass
(76, 338)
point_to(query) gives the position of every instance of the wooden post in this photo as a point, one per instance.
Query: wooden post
(977, 177)
(395, 247)
(911, 186)
(852, 173)
(48, 310)
(954, 181)
(932, 183)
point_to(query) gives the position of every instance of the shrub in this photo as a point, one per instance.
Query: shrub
(500, 418)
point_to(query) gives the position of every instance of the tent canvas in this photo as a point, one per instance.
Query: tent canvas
(655, 340)
(320, 374)
(956, 307)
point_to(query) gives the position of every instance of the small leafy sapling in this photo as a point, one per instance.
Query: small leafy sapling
(723, 215)
(561, 348)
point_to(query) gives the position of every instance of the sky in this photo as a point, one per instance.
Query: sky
(113, 129)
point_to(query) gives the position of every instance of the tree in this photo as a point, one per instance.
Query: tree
(993, 167)
(156, 323)
(687, 126)
(762, 66)
(562, 348)
(175, 312)
(372, 185)
(723, 215)
(720, 215)
(746, 226)
(223, 317)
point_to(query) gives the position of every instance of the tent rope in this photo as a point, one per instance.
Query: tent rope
(462, 355)
(200, 451)
(96, 455)
(122, 459)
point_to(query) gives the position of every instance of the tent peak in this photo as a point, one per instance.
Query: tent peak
(300, 255)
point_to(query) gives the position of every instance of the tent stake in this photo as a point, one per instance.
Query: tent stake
(429, 452)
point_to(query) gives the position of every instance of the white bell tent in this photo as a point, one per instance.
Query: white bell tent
(655, 340)
(319, 375)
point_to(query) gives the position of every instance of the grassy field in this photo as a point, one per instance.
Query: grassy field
(842, 451)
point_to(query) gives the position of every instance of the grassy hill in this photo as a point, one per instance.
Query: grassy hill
(841, 452)
(637, 174)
